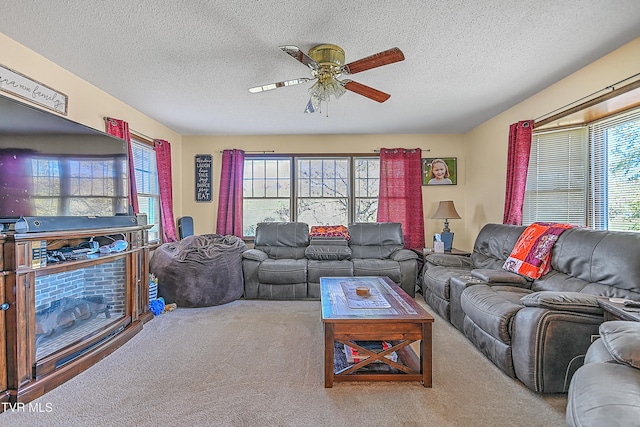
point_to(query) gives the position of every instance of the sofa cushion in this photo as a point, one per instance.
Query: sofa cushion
(377, 267)
(606, 260)
(494, 244)
(327, 253)
(282, 240)
(622, 340)
(568, 301)
(318, 269)
(283, 271)
(375, 239)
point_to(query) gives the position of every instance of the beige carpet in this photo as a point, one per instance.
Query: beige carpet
(259, 363)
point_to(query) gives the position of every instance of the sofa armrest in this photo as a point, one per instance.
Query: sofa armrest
(489, 275)
(565, 301)
(254, 255)
(403, 255)
(449, 260)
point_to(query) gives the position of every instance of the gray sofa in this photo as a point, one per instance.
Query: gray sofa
(606, 390)
(286, 263)
(533, 330)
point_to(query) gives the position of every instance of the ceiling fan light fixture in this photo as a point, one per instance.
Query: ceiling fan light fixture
(328, 55)
(327, 63)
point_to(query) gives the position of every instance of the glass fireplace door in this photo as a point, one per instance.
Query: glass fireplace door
(74, 305)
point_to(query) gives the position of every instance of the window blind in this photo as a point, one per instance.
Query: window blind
(614, 198)
(556, 189)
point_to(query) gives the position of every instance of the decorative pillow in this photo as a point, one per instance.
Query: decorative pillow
(327, 253)
(329, 231)
(622, 340)
(566, 301)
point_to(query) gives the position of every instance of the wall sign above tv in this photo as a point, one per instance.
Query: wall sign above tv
(31, 90)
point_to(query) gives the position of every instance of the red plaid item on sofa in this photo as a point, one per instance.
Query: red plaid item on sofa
(532, 252)
(329, 231)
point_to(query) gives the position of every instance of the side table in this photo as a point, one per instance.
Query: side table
(617, 311)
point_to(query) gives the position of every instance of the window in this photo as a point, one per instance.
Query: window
(327, 190)
(144, 159)
(615, 170)
(587, 176)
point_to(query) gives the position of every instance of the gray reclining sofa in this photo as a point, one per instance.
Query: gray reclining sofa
(286, 263)
(534, 330)
(606, 390)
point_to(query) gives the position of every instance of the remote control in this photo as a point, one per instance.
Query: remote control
(629, 303)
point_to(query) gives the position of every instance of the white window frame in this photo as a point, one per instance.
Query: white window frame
(585, 196)
(148, 171)
(361, 187)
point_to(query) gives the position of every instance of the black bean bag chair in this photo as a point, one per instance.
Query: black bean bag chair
(199, 271)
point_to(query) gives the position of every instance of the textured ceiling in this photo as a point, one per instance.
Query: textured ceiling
(188, 64)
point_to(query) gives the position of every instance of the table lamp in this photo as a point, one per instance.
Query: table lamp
(446, 210)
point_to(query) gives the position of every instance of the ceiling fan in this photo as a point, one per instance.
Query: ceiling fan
(326, 62)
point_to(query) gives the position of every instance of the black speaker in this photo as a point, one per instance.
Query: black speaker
(185, 226)
(38, 224)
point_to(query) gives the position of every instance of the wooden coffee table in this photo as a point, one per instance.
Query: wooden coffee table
(388, 314)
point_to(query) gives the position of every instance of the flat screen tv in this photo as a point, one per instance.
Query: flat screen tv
(51, 166)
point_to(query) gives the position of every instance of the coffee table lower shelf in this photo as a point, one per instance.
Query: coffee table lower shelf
(377, 371)
(410, 366)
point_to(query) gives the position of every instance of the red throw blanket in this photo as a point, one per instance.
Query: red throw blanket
(329, 231)
(531, 254)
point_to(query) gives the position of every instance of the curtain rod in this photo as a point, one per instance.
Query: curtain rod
(423, 149)
(566, 107)
(134, 131)
(142, 135)
(259, 151)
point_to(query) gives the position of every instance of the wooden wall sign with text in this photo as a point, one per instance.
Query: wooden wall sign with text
(203, 177)
(30, 90)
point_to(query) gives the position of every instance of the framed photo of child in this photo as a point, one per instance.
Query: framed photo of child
(439, 171)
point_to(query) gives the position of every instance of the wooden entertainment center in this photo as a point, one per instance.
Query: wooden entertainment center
(44, 342)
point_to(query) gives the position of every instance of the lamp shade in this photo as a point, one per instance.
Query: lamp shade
(446, 210)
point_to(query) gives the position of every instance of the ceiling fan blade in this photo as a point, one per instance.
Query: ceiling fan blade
(299, 55)
(377, 60)
(272, 86)
(366, 91)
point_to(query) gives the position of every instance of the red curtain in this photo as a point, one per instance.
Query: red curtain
(400, 198)
(517, 164)
(230, 198)
(163, 160)
(120, 129)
